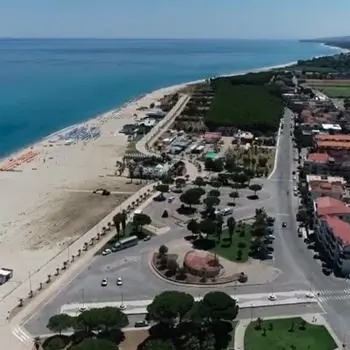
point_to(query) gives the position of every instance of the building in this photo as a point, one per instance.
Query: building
(338, 143)
(317, 163)
(152, 172)
(332, 229)
(212, 137)
(325, 186)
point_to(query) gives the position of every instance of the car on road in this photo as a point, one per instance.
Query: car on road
(271, 237)
(226, 211)
(119, 281)
(147, 238)
(284, 224)
(104, 282)
(272, 297)
(171, 199)
(309, 295)
(106, 252)
(141, 323)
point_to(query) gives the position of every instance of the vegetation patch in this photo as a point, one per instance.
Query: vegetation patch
(248, 105)
(291, 333)
(334, 91)
(236, 248)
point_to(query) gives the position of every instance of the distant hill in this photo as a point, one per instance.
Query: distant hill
(342, 42)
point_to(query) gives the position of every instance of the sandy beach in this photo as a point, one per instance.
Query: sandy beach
(48, 202)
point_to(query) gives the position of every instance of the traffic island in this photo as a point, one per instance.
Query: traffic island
(180, 263)
(288, 333)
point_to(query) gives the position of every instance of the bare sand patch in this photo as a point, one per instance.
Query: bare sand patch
(133, 339)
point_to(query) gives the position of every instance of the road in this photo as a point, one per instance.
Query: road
(291, 253)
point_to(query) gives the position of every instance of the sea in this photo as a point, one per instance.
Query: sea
(49, 84)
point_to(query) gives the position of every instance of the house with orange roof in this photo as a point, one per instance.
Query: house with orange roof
(332, 229)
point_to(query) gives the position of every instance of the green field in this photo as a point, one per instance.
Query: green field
(334, 91)
(284, 333)
(229, 250)
(247, 107)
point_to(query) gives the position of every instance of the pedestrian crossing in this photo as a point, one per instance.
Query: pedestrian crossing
(22, 336)
(333, 295)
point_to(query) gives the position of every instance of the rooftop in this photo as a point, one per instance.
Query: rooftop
(325, 178)
(329, 206)
(326, 188)
(340, 228)
(333, 144)
(334, 138)
(318, 157)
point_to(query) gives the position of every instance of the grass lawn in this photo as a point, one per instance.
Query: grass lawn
(282, 337)
(241, 240)
(335, 91)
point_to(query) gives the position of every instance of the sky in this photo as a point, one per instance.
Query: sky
(242, 19)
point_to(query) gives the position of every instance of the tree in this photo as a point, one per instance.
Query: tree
(190, 197)
(208, 227)
(96, 344)
(163, 250)
(214, 193)
(199, 181)
(112, 318)
(234, 195)
(107, 318)
(170, 306)
(59, 323)
(217, 306)
(255, 188)
(231, 225)
(193, 226)
(180, 182)
(172, 266)
(162, 188)
(157, 344)
(139, 220)
(118, 219)
(167, 180)
(211, 202)
(262, 161)
(241, 178)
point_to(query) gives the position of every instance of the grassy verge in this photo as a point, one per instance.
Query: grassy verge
(334, 91)
(241, 241)
(288, 334)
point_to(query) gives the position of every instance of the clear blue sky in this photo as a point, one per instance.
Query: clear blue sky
(174, 19)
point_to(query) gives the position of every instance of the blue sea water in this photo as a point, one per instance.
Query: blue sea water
(48, 84)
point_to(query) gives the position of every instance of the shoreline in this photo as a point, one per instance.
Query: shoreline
(166, 90)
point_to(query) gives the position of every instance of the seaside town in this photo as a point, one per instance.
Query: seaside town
(208, 215)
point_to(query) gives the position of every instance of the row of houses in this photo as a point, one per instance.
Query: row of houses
(327, 166)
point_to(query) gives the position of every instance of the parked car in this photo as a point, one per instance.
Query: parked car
(107, 251)
(141, 323)
(171, 199)
(147, 238)
(119, 281)
(226, 211)
(284, 224)
(104, 282)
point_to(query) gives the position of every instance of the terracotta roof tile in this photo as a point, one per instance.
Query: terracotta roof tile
(330, 206)
(340, 228)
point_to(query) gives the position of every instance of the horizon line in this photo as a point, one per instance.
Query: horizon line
(144, 38)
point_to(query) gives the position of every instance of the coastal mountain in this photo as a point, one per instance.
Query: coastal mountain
(342, 42)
